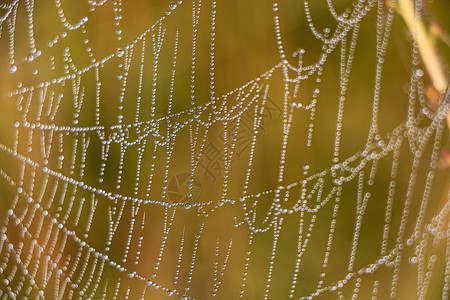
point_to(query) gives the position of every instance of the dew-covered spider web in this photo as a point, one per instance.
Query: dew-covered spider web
(228, 149)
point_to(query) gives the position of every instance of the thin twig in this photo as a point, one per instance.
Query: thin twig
(426, 43)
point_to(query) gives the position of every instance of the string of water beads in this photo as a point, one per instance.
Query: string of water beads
(63, 18)
(166, 229)
(9, 8)
(276, 233)
(180, 256)
(117, 18)
(194, 256)
(95, 4)
(217, 274)
(11, 24)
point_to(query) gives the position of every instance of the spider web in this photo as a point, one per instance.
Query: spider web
(128, 175)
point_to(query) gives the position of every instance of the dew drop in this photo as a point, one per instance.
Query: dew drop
(172, 5)
(12, 69)
(120, 52)
(419, 72)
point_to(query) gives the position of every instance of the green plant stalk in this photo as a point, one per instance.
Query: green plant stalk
(427, 47)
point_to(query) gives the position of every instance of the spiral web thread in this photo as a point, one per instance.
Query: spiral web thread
(73, 173)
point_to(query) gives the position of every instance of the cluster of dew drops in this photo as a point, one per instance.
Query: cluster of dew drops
(173, 5)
